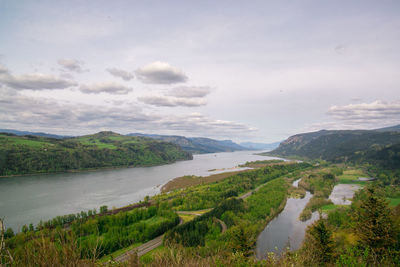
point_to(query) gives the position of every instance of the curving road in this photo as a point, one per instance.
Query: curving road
(156, 242)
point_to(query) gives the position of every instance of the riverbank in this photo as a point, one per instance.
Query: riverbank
(31, 198)
(92, 169)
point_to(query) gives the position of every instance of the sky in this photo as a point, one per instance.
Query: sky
(242, 70)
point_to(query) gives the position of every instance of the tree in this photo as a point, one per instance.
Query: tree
(373, 223)
(24, 228)
(103, 209)
(319, 244)
(241, 239)
(9, 233)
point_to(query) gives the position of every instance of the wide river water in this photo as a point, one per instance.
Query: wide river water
(29, 199)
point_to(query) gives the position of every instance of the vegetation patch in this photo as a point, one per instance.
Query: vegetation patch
(263, 163)
(321, 184)
(34, 154)
(206, 196)
(393, 201)
(191, 180)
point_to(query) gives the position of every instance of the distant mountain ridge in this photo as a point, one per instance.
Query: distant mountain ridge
(22, 133)
(259, 146)
(395, 128)
(197, 145)
(340, 145)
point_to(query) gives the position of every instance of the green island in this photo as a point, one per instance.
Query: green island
(35, 154)
(215, 220)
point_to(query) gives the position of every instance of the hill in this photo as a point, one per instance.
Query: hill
(36, 154)
(395, 128)
(259, 146)
(340, 146)
(197, 145)
(22, 133)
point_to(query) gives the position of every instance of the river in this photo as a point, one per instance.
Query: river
(285, 230)
(29, 199)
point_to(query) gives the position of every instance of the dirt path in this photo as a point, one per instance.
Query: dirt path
(223, 226)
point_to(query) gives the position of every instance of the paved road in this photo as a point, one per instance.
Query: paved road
(156, 242)
(244, 196)
(141, 250)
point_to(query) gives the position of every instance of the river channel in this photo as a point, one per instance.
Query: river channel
(285, 230)
(29, 199)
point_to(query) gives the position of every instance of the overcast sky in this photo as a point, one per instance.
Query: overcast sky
(240, 70)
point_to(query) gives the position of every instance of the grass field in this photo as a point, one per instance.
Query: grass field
(351, 177)
(330, 207)
(23, 141)
(187, 217)
(115, 254)
(148, 257)
(190, 180)
(95, 142)
(393, 201)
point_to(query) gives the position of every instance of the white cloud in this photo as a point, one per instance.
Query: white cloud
(367, 112)
(106, 87)
(160, 73)
(165, 101)
(372, 115)
(123, 74)
(72, 65)
(21, 112)
(189, 91)
(35, 81)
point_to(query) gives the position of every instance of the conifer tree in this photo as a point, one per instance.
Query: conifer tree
(373, 223)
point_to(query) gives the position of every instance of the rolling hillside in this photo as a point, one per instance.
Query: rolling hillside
(35, 154)
(341, 146)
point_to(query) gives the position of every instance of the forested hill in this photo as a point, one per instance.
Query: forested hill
(341, 146)
(196, 145)
(36, 154)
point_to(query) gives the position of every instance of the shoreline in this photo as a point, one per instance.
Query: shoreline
(90, 169)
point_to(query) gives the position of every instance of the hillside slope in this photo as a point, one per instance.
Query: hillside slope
(196, 145)
(35, 154)
(259, 146)
(337, 146)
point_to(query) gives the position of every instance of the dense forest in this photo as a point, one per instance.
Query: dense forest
(35, 154)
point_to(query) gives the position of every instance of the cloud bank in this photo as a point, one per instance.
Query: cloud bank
(123, 74)
(21, 112)
(72, 65)
(189, 91)
(34, 81)
(372, 115)
(106, 87)
(165, 101)
(160, 73)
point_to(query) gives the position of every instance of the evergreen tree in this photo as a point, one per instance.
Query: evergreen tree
(319, 244)
(373, 223)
